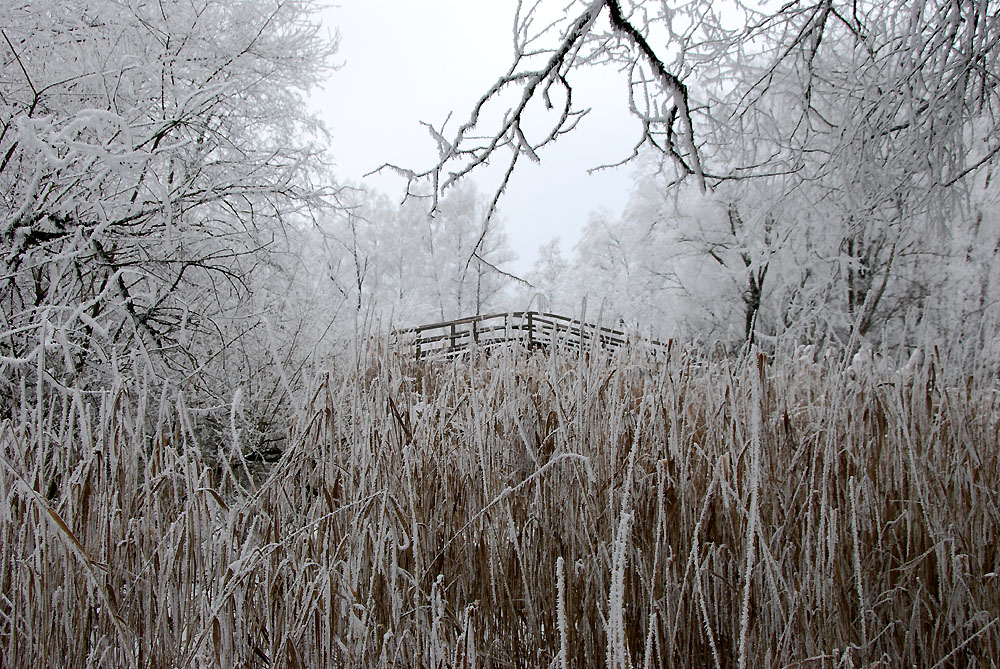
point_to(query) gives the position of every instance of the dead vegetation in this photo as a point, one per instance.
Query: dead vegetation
(517, 510)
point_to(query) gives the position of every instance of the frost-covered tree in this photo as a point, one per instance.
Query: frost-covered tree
(464, 252)
(351, 238)
(666, 264)
(154, 157)
(403, 264)
(858, 128)
(550, 280)
(621, 270)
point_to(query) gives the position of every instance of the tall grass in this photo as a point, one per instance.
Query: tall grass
(516, 510)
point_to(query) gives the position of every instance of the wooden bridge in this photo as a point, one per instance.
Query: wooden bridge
(532, 329)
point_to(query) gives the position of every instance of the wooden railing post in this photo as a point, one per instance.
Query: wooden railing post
(531, 332)
(451, 338)
(418, 344)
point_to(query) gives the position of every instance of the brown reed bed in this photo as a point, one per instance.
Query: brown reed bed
(516, 510)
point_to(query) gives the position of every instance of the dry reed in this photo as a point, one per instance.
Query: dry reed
(517, 509)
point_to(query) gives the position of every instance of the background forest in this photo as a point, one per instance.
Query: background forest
(212, 456)
(822, 176)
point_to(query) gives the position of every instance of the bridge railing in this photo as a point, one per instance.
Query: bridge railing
(533, 329)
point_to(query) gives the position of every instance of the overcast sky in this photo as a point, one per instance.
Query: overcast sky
(406, 61)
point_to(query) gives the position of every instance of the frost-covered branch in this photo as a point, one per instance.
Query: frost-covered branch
(542, 70)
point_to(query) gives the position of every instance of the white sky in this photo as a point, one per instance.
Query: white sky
(406, 61)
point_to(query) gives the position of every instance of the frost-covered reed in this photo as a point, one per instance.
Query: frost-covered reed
(517, 509)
